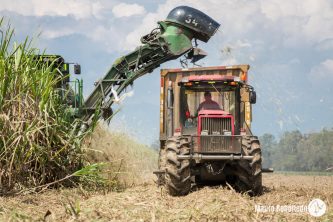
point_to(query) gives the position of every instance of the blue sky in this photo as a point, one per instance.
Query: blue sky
(289, 45)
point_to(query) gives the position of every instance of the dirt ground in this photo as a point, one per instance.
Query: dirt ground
(147, 202)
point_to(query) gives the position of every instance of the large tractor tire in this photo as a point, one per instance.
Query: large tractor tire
(178, 172)
(249, 172)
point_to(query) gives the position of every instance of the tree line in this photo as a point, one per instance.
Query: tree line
(295, 151)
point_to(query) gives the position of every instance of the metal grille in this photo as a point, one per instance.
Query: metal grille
(216, 126)
(214, 138)
(220, 144)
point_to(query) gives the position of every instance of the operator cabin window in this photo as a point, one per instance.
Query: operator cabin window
(191, 100)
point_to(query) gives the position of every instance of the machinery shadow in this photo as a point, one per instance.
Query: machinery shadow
(230, 186)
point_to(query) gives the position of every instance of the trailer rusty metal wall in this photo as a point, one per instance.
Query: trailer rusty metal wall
(174, 76)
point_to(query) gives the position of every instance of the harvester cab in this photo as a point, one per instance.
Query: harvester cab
(68, 87)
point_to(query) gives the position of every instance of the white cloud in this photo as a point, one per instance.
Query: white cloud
(78, 9)
(322, 73)
(127, 10)
(325, 45)
(229, 61)
(107, 36)
(300, 21)
(149, 22)
(252, 58)
(275, 9)
(56, 33)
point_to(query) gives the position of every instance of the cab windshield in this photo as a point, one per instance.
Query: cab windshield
(211, 97)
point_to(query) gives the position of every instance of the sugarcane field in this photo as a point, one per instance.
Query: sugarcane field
(166, 110)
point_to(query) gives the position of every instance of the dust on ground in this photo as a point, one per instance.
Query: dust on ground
(147, 202)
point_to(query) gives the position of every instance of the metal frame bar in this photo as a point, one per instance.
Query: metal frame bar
(198, 156)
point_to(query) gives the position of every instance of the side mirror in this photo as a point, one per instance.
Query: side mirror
(77, 69)
(253, 97)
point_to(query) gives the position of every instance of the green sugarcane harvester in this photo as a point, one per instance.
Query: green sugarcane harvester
(171, 39)
(174, 37)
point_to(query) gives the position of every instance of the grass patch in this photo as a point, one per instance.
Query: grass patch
(127, 161)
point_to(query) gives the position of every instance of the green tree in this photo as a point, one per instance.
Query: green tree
(297, 152)
(286, 153)
(268, 145)
(316, 151)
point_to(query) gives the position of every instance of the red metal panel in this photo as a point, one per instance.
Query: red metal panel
(216, 116)
(212, 112)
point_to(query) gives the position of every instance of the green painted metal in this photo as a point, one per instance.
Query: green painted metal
(169, 43)
(178, 39)
(81, 92)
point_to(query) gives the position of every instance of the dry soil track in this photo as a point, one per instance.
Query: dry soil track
(149, 203)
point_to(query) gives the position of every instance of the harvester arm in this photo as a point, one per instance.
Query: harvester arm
(169, 41)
